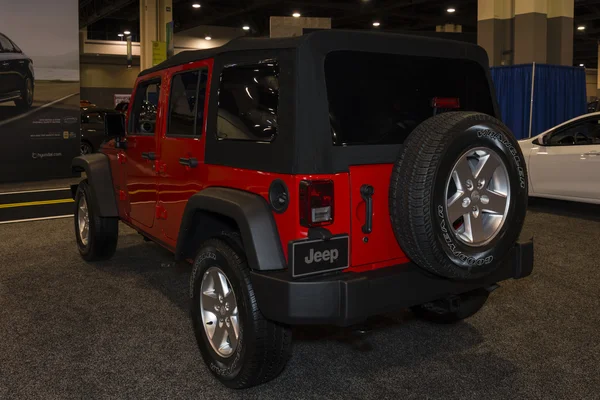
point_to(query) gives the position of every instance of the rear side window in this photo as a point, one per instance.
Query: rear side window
(186, 107)
(380, 98)
(143, 113)
(248, 101)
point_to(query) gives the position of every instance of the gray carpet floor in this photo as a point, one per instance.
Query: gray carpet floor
(120, 329)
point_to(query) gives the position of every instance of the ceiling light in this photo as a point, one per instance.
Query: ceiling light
(581, 65)
(246, 27)
(120, 35)
(196, 5)
(376, 23)
(296, 15)
(581, 28)
(127, 32)
(451, 10)
(207, 38)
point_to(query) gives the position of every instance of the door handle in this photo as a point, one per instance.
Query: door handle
(5, 64)
(366, 192)
(189, 162)
(149, 155)
(591, 153)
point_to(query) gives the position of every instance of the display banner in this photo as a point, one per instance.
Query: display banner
(170, 41)
(159, 52)
(129, 52)
(39, 89)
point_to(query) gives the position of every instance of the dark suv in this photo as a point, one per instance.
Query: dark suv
(319, 179)
(16, 74)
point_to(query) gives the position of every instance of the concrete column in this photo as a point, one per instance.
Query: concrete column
(531, 31)
(560, 32)
(495, 20)
(290, 26)
(154, 15)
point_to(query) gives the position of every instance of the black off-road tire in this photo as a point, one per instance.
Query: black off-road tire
(103, 232)
(417, 194)
(468, 304)
(264, 347)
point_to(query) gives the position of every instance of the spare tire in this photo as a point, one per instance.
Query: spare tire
(458, 194)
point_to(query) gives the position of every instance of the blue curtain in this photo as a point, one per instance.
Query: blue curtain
(559, 95)
(513, 91)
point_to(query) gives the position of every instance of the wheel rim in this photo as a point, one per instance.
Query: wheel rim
(219, 312)
(477, 196)
(83, 221)
(84, 148)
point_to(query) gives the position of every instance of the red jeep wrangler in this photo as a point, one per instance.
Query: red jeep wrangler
(319, 179)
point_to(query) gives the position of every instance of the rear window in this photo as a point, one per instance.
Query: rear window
(380, 98)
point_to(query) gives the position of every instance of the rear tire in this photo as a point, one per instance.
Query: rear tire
(260, 349)
(469, 304)
(96, 236)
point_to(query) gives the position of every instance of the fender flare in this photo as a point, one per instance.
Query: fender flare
(253, 217)
(97, 170)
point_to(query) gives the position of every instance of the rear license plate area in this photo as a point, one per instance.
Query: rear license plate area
(309, 257)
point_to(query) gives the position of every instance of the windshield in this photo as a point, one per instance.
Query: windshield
(380, 98)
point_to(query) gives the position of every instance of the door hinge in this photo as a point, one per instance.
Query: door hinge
(161, 212)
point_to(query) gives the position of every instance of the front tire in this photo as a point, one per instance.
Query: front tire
(26, 100)
(239, 346)
(96, 236)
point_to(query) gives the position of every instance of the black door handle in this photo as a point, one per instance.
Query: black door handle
(366, 192)
(189, 162)
(149, 155)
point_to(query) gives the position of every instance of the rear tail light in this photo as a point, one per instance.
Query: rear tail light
(445, 102)
(316, 203)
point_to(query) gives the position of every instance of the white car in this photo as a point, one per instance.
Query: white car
(564, 162)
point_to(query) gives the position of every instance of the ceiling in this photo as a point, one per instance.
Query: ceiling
(106, 18)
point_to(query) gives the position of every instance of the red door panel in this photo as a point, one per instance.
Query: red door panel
(379, 245)
(141, 179)
(178, 182)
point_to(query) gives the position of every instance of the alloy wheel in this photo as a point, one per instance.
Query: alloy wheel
(477, 196)
(219, 310)
(83, 221)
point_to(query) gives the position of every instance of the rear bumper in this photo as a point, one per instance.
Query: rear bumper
(348, 298)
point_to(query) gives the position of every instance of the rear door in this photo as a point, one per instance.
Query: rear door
(376, 100)
(372, 237)
(141, 152)
(181, 165)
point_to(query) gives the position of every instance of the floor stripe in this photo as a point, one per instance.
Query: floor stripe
(36, 219)
(33, 111)
(35, 191)
(36, 203)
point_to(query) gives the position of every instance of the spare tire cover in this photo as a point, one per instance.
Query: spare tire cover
(458, 194)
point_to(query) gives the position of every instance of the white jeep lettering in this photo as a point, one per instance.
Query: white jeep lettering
(318, 256)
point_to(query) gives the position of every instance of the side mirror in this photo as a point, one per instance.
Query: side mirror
(541, 141)
(114, 125)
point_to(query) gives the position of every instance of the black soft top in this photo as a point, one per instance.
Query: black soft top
(325, 41)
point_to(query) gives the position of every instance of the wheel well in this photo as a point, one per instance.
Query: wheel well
(206, 225)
